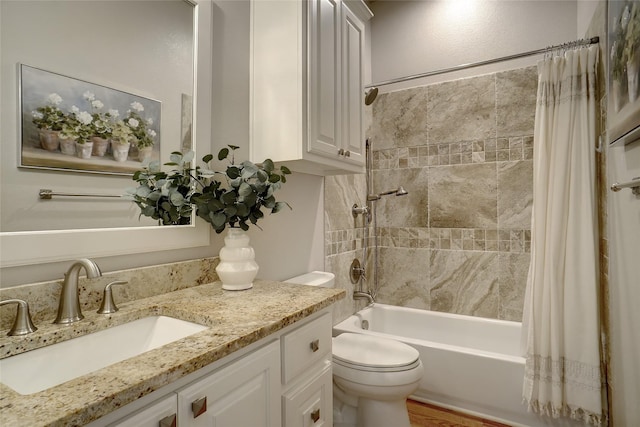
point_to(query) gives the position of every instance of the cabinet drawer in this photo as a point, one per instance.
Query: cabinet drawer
(305, 346)
(310, 405)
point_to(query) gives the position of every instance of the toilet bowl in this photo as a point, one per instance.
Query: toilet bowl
(374, 375)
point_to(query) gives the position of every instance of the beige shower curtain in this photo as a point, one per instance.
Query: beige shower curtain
(561, 324)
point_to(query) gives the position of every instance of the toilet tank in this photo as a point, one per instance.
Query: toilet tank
(322, 279)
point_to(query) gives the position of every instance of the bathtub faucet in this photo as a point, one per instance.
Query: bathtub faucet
(363, 295)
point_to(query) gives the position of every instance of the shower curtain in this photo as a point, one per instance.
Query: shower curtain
(561, 326)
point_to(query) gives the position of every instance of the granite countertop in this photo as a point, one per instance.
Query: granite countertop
(235, 320)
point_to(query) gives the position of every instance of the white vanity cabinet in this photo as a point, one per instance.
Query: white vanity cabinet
(163, 413)
(245, 393)
(307, 95)
(307, 375)
(284, 379)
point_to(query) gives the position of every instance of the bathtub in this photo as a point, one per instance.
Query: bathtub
(472, 364)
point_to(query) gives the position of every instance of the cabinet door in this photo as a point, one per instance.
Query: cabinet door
(245, 393)
(310, 405)
(158, 414)
(324, 99)
(352, 86)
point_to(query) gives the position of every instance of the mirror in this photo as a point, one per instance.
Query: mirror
(119, 52)
(145, 48)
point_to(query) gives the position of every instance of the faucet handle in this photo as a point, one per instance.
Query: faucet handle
(22, 325)
(108, 305)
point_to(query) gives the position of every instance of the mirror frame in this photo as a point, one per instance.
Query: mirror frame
(36, 247)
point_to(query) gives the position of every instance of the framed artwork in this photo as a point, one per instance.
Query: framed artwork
(623, 115)
(75, 125)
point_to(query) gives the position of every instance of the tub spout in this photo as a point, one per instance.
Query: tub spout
(363, 295)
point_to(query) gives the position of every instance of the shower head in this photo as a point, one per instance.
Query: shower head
(370, 95)
(400, 191)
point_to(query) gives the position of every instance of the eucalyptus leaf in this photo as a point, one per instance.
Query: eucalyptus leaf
(244, 190)
(233, 172)
(268, 165)
(218, 219)
(208, 158)
(176, 198)
(274, 178)
(222, 154)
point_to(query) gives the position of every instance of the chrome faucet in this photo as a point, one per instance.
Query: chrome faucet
(22, 324)
(363, 295)
(69, 305)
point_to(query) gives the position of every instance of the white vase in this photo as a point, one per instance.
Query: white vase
(237, 267)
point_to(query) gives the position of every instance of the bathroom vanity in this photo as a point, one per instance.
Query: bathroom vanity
(264, 360)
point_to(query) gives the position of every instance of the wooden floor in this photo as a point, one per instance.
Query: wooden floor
(426, 415)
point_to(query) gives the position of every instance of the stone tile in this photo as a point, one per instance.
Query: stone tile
(400, 119)
(463, 196)
(403, 277)
(464, 282)
(462, 110)
(339, 265)
(340, 193)
(516, 92)
(515, 194)
(512, 280)
(402, 211)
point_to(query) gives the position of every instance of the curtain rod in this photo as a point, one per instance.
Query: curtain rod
(581, 42)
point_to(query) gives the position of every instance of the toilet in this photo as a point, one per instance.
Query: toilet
(372, 376)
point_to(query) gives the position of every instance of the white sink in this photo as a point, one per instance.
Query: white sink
(49, 366)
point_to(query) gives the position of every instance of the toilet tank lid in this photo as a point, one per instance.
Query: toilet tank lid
(323, 279)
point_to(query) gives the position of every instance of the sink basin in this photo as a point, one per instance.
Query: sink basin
(49, 366)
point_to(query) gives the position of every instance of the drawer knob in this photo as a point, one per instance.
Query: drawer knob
(347, 153)
(199, 407)
(315, 415)
(169, 421)
(341, 152)
(315, 345)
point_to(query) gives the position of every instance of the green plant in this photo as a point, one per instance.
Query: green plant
(165, 196)
(632, 36)
(237, 201)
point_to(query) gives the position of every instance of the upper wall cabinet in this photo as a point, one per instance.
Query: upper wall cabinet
(307, 98)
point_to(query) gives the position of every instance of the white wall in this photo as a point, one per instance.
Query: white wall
(624, 285)
(412, 37)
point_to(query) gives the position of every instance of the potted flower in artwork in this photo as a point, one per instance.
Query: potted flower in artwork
(121, 139)
(144, 135)
(100, 126)
(49, 120)
(234, 203)
(75, 136)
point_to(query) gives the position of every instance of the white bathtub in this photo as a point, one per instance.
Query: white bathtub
(472, 364)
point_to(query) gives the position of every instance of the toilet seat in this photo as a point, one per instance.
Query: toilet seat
(373, 354)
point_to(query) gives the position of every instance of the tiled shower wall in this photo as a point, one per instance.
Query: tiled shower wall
(459, 242)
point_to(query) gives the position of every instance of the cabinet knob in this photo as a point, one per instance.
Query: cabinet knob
(347, 153)
(315, 415)
(169, 421)
(315, 345)
(199, 407)
(341, 152)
